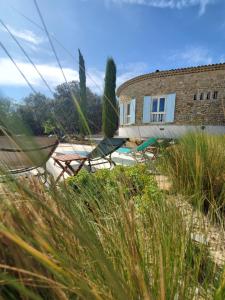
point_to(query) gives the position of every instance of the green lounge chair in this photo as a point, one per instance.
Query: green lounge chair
(149, 149)
(141, 149)
(105, 148)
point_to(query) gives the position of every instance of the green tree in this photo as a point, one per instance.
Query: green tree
(35, 111)
(66, 110)
(110, 110)
(5, 110)
(49, 126)
(83, 95)
(8, 116)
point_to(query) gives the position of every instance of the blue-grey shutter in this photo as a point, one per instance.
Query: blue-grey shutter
(132, 111)
(146, 109)
(121, 113)
(170, 107)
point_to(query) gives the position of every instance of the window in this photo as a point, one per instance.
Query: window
(158, 109)
(201, 96)
(127, 114)
(195, 97)
(208, 95)
(215, 95)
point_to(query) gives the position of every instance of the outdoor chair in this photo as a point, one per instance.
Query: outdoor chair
(149, 146)
(158, 149)
(99, 155)
(21, 154)
(148, 150)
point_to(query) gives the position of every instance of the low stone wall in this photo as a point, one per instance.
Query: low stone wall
(166, 131)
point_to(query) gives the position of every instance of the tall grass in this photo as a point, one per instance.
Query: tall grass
(196, 167)
(72, 244)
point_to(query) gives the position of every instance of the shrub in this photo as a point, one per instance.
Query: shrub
(52, 247)
(196, 167)
(136, 180)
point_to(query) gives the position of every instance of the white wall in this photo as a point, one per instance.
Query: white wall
(173, 131)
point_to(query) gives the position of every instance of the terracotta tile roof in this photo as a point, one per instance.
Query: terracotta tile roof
(172, 72)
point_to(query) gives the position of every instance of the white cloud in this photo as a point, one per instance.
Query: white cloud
(9, 75)
(178, 4)
(26, 35)
(193, 56)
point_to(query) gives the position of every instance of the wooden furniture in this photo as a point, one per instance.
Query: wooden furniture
(99, 155)
(67, 159)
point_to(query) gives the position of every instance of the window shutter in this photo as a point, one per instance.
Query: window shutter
(170, 107)
(121, 113)
(132, 111)
(146, 109)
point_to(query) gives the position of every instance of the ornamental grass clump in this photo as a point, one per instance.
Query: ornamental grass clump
(71, 244)
(196, 167)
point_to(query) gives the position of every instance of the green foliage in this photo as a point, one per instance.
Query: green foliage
(220, 293)
(5, 110)
(63, 244)
(110, 106)
(66, 112)
(9, 117)
(137, 184)
(40, 114)
(83, 97)
(49, 127)
(196, 167)
(65, 109)
(35, 111)
(199, 259)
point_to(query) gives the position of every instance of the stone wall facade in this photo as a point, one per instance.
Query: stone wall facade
(188, 84)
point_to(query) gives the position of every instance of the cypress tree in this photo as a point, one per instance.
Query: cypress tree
(110, 110)
(83, 95)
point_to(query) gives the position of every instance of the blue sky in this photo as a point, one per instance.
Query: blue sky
(141, 35)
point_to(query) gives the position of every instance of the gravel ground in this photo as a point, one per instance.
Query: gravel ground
(203, 231)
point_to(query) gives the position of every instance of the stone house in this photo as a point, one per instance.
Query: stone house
(170, 103)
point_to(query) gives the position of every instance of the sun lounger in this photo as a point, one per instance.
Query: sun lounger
(148, 145)
(99, 155)
(149, 149)
(22, 154)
